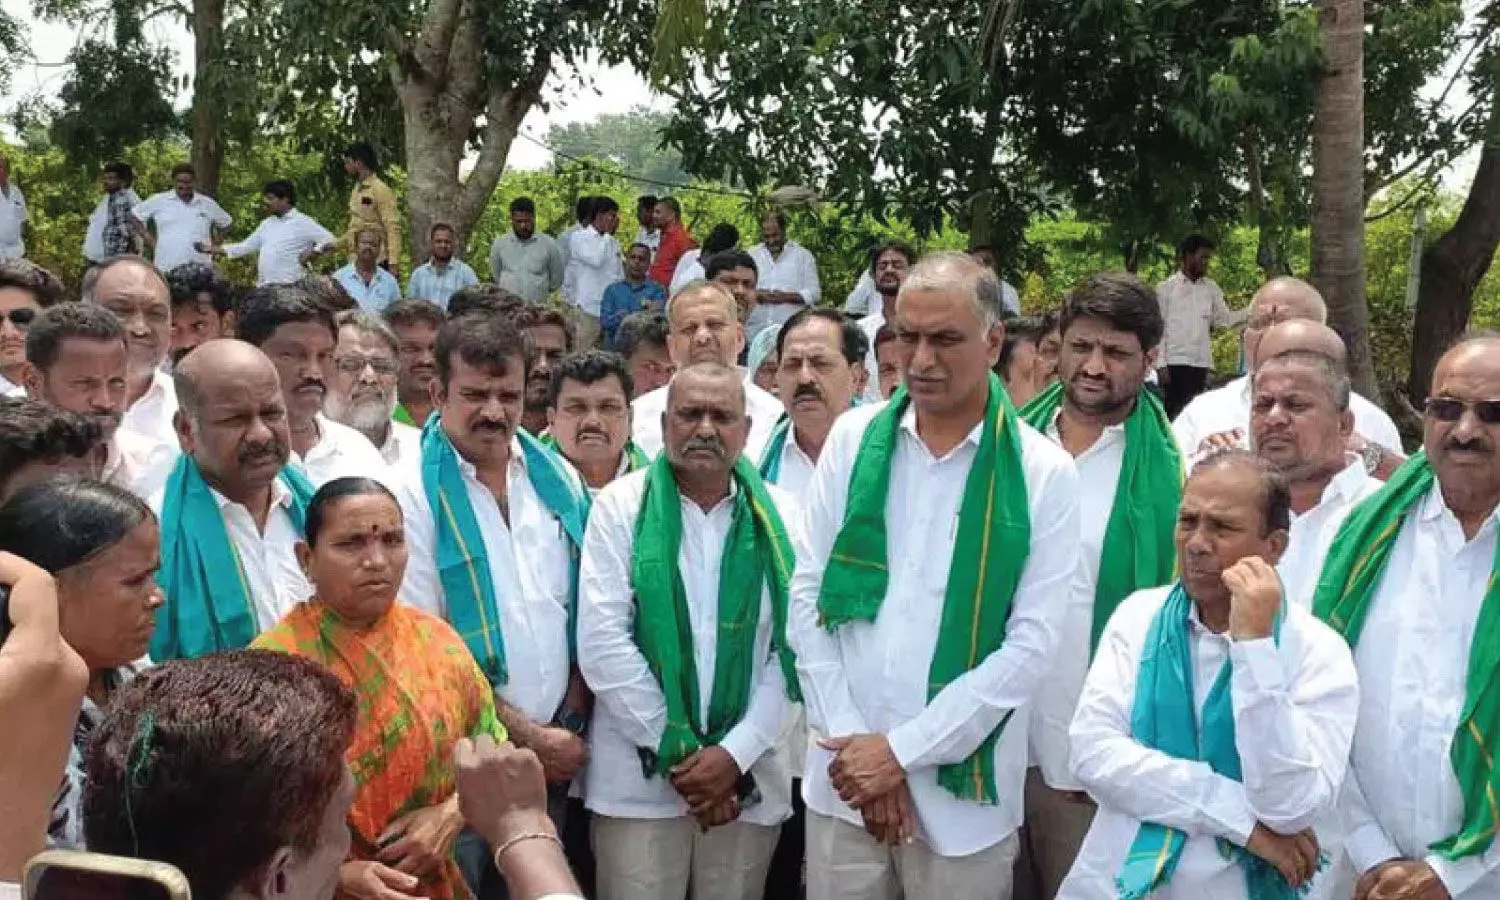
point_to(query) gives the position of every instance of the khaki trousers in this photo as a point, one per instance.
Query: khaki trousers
(1056, 823)
(846, 863)
(586, 329)
(659, 859)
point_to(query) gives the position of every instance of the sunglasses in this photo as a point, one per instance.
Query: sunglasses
(1447, 409)
(22, 317)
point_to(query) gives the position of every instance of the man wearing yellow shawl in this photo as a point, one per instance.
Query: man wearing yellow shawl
(681, 635)
(1131, 478)
(929, 600)
(1411, 583)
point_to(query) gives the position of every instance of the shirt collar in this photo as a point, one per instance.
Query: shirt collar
(1110, 434)
(1347, 483)
(791, 446)
(517, 460)
(909, 425)
(1434, 507)
(281, 495)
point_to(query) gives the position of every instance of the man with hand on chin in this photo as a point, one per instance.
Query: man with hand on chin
(1215, 724)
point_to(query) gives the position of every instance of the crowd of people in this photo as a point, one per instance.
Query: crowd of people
(652, 559)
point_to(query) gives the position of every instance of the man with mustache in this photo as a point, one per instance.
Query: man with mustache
(77, 361)
(1411, 584)
(681, 634)
(131, 288)
(232, 511)
(1130, 473)
(705, 327)
(821, 371)
(588, 417)
(1300, 423)
(299, 335)
(494, 520)
(940, 533)
(1215, 724)
(890, 262)
(552, 339)
(416, 324)
(364, 386)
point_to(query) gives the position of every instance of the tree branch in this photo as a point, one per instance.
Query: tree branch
(435, 38)
(503, 114)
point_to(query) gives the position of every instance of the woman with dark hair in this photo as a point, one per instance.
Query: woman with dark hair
(101, 545)
(419, 692)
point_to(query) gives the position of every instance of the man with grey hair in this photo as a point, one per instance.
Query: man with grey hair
(705, 327)
(1227, 409)
(131, 288)
(1300, 423)
(363, 396)
(925, 611)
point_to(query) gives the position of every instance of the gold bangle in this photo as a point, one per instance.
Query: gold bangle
(525, 836)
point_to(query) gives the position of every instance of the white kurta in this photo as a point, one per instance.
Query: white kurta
(341, 452)
(1057, 698)
(1312, 533)
(181, 226)
(1413, 657)
(402, 442)
(646, 412)
(279, 242)
(151, 416)
(1227, 408)
(1294, 712)
(873, 677)
(794, 270)
(530, 566)
(630, 711)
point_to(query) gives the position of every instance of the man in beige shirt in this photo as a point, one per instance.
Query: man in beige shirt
(1192, 306)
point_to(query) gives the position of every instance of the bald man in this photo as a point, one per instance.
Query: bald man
(1223, 415)
(232, 510)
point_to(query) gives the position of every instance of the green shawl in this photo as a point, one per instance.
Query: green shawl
(989, 555)
(1351, 576)
(757, 554)
(1139, 547)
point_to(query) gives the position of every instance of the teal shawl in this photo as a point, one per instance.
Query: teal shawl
(208, 600)
(770, 462)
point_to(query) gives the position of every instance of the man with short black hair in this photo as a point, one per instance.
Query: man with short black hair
(112, 231)
(583, 212)
(588, 417)
(284, 241)
(372, 204)
(890, 262)
(887, 352)
(631, 294)
(552, 338)
(299, 335)
(416, 324)
(675, 240)
(366, 370)
(819, 374)
(787, 277)
(1192, 306)
(736, 271)
(131, 288)
(594, 255)
(643, 340)
(645, 214)
(524, 261)
(25, 290)
(184, 219)
(370, 286)
(202, 307)
(39, 441)
(443, 273)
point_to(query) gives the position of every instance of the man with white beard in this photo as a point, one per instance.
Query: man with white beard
(364, 385)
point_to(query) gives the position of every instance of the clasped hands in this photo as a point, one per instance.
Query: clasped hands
(868, 777)
(706, 780)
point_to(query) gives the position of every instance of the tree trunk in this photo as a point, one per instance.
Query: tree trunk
(1454, 265)
(1268, 230)
(1338, 214)
(208, 33)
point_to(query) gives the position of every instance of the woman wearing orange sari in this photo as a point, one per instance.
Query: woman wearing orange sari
(419, 692)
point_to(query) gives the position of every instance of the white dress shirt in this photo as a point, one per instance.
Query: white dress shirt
(139, 464)
(276, 580)
(1098, 478)
(569, 288)
(402, 442)
(1294, 712)
(873, 677)
(181, 226)
(651, 239)
(341, 452)
(647, 409)
(1312, 532)
(797, 467)
(870, 325)
(530, 566)
(1192, 309)
(597, 260)
(1227, 408)
(12, 216)
(151, 416)
(689, 269)
(630, 711)
(864, 299)
(794, 270)
(1413, 657)
(280, 241)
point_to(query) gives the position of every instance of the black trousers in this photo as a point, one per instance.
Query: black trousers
(1183, 384)
(784, 879)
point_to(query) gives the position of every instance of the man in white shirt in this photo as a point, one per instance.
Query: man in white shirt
(736, 272)
(820, 374)
(1192, 306)
(25, 290)
(583, 212)
(1410, 584)
(132, 289)
(13, 215)
(588, 417)
(645, 214)
(917, 760)
(1130, 472)
(284, 240)
(891, 261)
(693, 265)
(299, 335)
(1215, 725)
(704, 329)
(595, 258)
(77, 361)
(1275, 308)
(184, 219)
(1009, 299)
(863, 296)
(233, 431)
(681, 636)
(788, 277)
(1300, 424)
(366, 368)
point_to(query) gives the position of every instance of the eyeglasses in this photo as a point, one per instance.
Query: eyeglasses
(21, 317)
(1447, 409)
(355, 365)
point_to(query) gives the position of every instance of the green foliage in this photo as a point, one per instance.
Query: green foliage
(630, 141)
(12, 47)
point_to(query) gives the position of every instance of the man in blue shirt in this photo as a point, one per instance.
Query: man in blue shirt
(372, 287)
(634, 294)
(441, 275)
